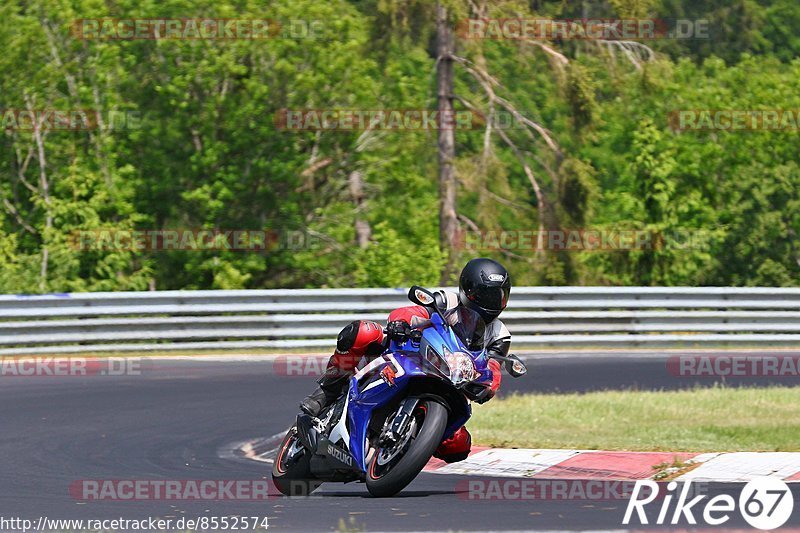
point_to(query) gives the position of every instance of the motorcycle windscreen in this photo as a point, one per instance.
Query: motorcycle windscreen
(468, 326)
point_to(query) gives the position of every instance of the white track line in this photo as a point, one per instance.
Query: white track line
(245, 450)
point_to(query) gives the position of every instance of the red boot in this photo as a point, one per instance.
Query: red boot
(456, 448)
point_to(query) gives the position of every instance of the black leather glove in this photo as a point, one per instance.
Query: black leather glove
(398, 330)
(486, 395)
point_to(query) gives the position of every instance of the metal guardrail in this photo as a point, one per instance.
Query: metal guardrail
(310, 319)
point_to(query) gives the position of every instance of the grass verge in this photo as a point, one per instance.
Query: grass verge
(696, 420)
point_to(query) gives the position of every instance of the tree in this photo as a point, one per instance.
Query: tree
(448, 217)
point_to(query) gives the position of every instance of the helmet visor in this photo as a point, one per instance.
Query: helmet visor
(490, 298)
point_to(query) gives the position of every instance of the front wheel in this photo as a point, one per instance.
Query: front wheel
(392, 468)
(291, 472)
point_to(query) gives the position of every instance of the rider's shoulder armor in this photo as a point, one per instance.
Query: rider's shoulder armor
(446, 299)
(496, 330)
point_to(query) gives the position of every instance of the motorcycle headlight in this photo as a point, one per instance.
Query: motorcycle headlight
(462, 367)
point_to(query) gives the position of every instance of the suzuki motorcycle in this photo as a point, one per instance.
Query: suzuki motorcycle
(397, 409)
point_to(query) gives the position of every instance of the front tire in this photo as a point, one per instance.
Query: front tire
(292, 476)
(432, 421)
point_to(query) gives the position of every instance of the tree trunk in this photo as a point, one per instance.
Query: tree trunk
(363, 230)
(44, 190)
(448, 218)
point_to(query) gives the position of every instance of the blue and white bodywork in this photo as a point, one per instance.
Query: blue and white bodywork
(397, 409)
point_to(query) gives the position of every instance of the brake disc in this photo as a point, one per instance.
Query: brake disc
(387, 454)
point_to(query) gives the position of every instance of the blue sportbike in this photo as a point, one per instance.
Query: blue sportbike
(397, 409)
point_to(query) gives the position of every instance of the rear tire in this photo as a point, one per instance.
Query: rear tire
(293, 478)
(419, 452)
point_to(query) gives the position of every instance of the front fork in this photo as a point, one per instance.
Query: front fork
(391, 434)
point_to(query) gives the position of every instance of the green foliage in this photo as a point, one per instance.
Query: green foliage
(581, 95)
(577, 189)
(204, 152)
(394, 260)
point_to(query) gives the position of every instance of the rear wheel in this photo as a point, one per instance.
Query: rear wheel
(394, 466)
(291, 472)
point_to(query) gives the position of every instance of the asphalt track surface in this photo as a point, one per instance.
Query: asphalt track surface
(171, 421)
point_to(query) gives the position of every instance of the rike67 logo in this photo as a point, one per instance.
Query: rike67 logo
(765, 503)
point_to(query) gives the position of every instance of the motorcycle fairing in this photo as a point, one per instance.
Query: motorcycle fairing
(368, 391)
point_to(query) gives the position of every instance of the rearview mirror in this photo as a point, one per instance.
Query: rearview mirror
(420, 296)
(515, 366)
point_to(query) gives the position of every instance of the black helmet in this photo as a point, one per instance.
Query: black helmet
(484, 287)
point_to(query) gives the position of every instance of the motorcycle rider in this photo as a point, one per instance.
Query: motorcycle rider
(484, 287)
